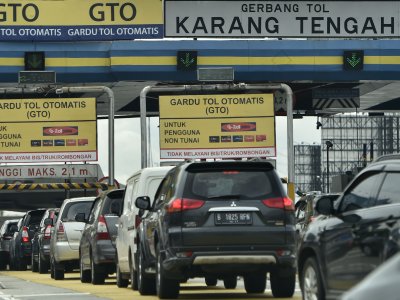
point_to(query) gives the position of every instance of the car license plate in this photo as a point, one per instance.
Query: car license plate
(233, 218)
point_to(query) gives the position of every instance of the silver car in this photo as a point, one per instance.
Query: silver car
(64, 243)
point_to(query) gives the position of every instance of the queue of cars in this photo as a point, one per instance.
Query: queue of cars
(218, 221)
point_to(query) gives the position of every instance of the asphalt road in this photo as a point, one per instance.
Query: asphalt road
(28, 285)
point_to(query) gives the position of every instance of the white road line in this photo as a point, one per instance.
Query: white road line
(41, 295)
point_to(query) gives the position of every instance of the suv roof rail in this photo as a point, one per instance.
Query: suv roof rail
(387, 157)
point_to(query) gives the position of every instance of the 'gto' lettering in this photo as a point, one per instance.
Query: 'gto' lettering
(29, 12)
(99, 11)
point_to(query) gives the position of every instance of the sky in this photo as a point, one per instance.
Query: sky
(127, 143)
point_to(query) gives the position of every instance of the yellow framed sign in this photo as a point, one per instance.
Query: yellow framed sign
(77, 20)
(48, 130)
(217, 126)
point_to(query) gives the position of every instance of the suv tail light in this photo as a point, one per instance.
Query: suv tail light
(25, 235)
(102, 230)
(61, 237)
(279, 202)
(182, 204)
(47, 232)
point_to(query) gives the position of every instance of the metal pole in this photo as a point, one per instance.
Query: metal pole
(221, 87)
(110, 94)
(327, 169)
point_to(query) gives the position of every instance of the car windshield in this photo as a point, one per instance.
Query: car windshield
(230, 184)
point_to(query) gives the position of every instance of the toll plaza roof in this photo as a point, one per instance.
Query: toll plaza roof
(128, 66)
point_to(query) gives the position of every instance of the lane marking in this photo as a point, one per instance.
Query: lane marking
(42, 295)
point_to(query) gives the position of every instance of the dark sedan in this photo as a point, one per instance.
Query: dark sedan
(41, 242)
(97, 251)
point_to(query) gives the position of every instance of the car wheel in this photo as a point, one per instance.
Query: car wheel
(21, 265)
(3, 263)
(230, 282)
(97, 272)
(311, 283)
(43, 265)
(121, 282)
(133, 277)
(146, 283)
(211, 280)
(58, 271)
(255, 283)
(166, 288)
(51, 268)
(11, 263)
(83, 274)
(282, 286)
(34, 264)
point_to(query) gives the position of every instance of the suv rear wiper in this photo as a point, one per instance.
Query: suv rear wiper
(232, 196)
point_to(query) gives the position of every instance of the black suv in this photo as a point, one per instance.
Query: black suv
(218, 220)
(354, 236)
(20, 245)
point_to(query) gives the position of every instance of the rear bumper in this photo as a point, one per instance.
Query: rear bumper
(63, 252)
(45, 250)
(26, 249)
(104, 252)
(239, 263)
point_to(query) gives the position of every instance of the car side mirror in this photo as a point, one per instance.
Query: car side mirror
(324, 206)
(48, 222)
(143, 202)
(80, 217)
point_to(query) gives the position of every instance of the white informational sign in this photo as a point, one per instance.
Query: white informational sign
(50, 171)
(299, 19)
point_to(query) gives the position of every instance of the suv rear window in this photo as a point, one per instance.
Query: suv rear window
(242, 184)
(34, 217)
(70, 211)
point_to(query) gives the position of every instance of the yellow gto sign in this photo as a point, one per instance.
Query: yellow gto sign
(217, 126)
(50, 20)
(45, 130)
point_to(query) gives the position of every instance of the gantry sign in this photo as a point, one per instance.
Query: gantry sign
(300, 19)
(72, 20)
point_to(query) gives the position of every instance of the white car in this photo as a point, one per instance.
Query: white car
(143, 183)
(64, 243)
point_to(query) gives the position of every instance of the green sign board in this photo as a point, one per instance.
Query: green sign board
(34, 61)
(353, 60)
(186, 60)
